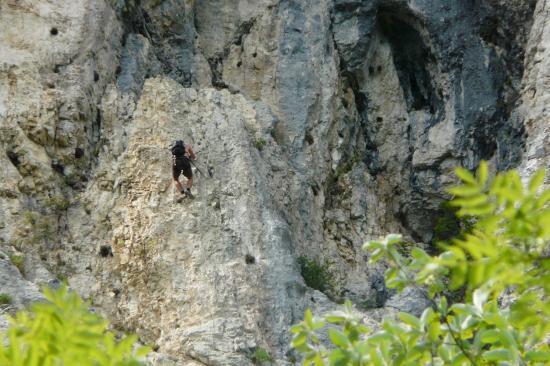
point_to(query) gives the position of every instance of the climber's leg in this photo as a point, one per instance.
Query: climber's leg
(176, 171)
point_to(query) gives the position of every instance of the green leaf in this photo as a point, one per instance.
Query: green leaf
(382, 336)
(537, 356)
(338, 338)
(443, 306)
(427, 316)
(434, 331)
(479, 298)
(318, 361)
(339, 357)
(299, 339)
(490, 336)
(465, 176)
(536, 181)
(372, 245)
(308, 318)
(465, 309)
(465, 190)
(470, 202)
(336, 317)
(304, 347)
(543, 198)
(499, 354)
(482, 173)
(393, 239)
(410, 320)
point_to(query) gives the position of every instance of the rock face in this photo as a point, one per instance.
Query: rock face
(324, 123)
(533, 108)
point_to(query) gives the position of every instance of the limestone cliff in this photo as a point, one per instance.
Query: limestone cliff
(324, 123)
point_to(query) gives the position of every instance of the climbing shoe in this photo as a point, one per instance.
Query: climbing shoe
(188, 193)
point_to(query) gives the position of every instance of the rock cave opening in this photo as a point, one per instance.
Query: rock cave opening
(412, 59)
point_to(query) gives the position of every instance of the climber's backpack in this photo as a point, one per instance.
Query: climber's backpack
(178, 150)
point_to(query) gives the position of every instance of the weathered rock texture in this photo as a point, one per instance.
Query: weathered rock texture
(325, 123)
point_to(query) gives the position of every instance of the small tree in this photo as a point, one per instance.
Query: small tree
(62, 331)
(502, 263)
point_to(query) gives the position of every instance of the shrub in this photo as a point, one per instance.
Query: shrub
(19, 262)
(57, 203)
(5, 299)
(260, 356)
(260, 143)
(315, 274)
(63, 332)
(502, 256)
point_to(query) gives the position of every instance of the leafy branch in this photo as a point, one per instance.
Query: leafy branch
(501, 263)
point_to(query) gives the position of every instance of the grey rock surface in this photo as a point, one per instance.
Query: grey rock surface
(20, 291)
(326, 123)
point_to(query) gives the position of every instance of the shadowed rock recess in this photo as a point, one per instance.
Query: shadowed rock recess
(325, 123)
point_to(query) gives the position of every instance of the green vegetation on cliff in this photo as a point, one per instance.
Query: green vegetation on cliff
(62, 331)
(502, 264)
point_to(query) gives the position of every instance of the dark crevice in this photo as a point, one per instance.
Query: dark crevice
(78, 153)
(105, 251)
(14, 158)
(370, 157)
(58, 167)
(249, 259)
(216, 66)
(216, 62)
(309, 138)
(411, 59)
(243, 30)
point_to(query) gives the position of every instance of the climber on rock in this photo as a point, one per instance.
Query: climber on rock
(182, 155)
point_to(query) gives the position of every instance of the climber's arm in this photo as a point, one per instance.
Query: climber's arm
(190, 152)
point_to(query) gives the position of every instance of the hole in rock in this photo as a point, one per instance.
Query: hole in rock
(309, 138)
(58, 167)
(118, 70)
(379, 68)
(54, 31)
(379, 119)
(249, 259)
(14, 158)
(96, 76)
(78, 153)
(371, 70)
(489, 30)
(57, 68)
(105, 251)
(254, 54)
(239, 64)
(315, 189)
